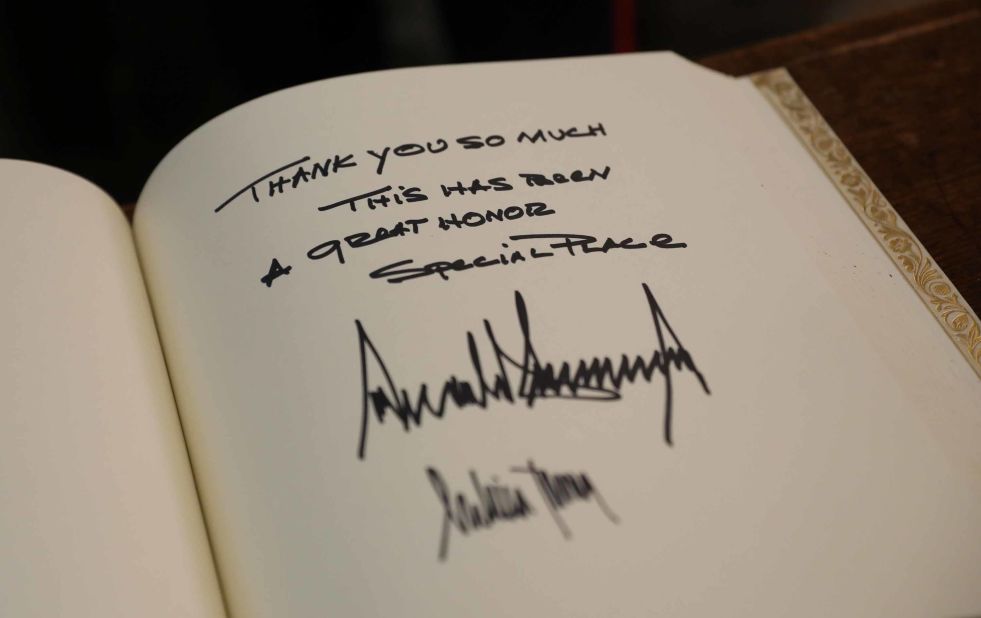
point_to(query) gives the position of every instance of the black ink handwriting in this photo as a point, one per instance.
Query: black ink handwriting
(379, 197)
(496, 501)
(298, 176)
(572, 244)
(558, 135)
(364, 239)
(599, 378)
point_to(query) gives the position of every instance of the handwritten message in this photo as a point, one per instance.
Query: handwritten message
(514, 249)
(495, 375)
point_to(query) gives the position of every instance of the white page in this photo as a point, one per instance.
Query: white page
(810, 481)
(98, 512)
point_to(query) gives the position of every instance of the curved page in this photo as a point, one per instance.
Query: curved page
(98, 514)
(552, 338)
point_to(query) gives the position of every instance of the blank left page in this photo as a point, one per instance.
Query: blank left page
(98, 511)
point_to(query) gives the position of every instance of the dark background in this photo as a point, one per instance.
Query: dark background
(106, 89)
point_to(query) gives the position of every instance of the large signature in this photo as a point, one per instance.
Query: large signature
(524, 377)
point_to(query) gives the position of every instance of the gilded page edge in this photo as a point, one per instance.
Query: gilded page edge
(880, 218)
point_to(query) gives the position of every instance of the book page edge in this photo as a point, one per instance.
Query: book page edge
(892, 234)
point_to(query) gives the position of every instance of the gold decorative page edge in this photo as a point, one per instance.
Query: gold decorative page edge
(883, 222)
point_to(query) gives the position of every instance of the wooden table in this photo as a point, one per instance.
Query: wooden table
(903, 92)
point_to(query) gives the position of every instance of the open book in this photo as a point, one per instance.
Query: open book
(584, 337)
